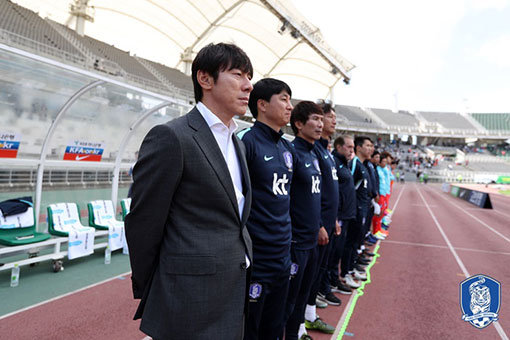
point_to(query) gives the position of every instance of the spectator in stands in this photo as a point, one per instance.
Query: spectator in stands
(188, 246)
(270, 162)
(329, 215)
(305, 212)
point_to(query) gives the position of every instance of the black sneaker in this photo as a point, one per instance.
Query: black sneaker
(363, 261)
(340, 287)
(331, 299)
(366, 258)
(367, 253)
(359, 267)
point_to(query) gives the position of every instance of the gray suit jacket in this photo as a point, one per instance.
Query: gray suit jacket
(187, 242)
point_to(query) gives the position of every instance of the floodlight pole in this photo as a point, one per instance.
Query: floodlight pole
(122, 147)
(47, 139)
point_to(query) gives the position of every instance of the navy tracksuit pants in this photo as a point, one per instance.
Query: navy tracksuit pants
(267, 300)
(299, 290)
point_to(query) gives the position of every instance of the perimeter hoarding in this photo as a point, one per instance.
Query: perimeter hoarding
(478, 198)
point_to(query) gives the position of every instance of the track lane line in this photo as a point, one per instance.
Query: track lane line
(445, 247)
(343, 318)
(469, 214)
(498, 327)
(63, 295)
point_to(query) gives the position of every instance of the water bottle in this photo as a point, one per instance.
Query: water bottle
(107, 255)
(15, 276)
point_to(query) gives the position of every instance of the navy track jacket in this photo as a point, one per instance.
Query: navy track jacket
(305, 196)
(271, 162)
(347, 193)
(329, 185)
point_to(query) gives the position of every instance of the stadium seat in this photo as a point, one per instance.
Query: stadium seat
(64, 217)
(125, 204)
(19, 229)
(102, 216)
(64, 220)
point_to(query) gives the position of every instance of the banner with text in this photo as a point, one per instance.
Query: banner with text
(9, 144)
(84, 151)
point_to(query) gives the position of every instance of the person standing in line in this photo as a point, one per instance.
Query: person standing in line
(305, 212)
(343, 282)
(270, 162)
(383, 200)
(329, 225)
(188, 243)
(363, 151)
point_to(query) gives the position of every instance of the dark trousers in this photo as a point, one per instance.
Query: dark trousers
(352, 242)
(368, 222)
(299, 289)
(336, 252)
(267, 310)
(322, 261)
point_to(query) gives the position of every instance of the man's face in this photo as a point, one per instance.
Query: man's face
(376, 159)
(312, 129)
(366, 149)
(383, 162)
(347, 150)
(231, 92)
(329, 123)
(278, 109)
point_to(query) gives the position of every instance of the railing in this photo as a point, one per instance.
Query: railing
(23, 178)
(10, 38)
(465, 176)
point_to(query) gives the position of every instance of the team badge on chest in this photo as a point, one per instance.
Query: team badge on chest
(287, 157)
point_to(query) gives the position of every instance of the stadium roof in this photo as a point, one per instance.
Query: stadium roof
(278, 39)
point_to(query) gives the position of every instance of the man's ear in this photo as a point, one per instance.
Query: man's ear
(261, 105)
(205, 80)
(299, 124)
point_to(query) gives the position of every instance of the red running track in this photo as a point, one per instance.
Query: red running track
(414, 292)
(415, 284)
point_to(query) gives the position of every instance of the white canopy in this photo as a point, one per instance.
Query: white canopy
(279, 40)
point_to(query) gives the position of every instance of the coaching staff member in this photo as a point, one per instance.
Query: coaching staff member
(188, 243)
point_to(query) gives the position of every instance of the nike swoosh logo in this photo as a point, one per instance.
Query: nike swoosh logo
(308, 165)
(79, 158)
(268, 158)
(326, 157)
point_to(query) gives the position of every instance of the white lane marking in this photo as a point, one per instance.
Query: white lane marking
(499, 212)
(445, 247)
(349, 303)
(474, 217)
(63, 295)
(498, 327)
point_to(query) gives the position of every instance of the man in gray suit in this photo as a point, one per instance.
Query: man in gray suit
(188, 244)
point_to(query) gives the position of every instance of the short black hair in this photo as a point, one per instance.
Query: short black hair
(327, 107)
(265, 89)
(359, 140)
(375, 153)
(215, 58)
(340, 141)
(301, 112)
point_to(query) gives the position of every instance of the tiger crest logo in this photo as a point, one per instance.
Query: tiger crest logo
(480, 300)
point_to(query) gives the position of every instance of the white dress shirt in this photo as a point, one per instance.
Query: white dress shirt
(223, 135)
